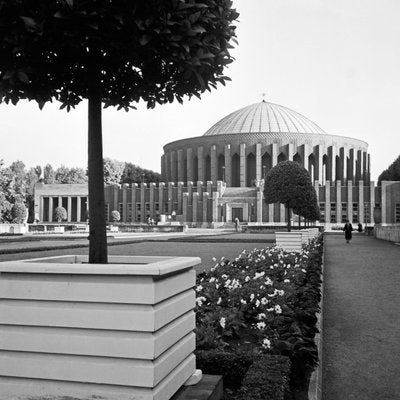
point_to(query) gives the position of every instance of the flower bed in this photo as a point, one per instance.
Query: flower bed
(262, 303)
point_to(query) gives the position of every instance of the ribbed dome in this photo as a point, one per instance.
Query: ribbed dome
(264, 117)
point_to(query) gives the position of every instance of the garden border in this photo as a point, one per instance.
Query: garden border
(315, 386)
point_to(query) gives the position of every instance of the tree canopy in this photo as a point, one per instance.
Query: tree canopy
(113, 53)
(290, 184)
(392, 173)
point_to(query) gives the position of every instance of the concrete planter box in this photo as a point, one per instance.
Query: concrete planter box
(13, 228)
(122, 330)
(291, 241)
(59, 229)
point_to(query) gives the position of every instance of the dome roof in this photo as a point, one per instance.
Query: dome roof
(264, 117)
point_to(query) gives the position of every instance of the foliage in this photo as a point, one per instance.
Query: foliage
(267, 378)
(290, 184)
(134, 174)
(49, 175)
(112, 53)
(263, 302)
(70, 175)
(115, 216)
(113, 171)
(60, 213)
(18, 213)
(392, 173)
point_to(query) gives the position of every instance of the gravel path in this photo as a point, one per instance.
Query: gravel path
(361, 327)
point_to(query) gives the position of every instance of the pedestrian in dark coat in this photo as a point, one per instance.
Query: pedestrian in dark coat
(348, 229)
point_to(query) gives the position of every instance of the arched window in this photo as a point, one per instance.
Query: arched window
(251, 170)
(266, 164)
(207, 175)
(220, 168)
(195, 169)
(236, 170)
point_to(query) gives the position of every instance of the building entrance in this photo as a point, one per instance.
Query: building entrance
(237, 213)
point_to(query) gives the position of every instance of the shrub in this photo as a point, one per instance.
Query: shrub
(267, 378)
(18, 213)
(60, 213)
(115, 216)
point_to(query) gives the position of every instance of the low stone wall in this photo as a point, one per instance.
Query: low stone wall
(150, 228)
(391, 233)
(13, 228)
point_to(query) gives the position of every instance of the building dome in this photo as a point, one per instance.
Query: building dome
(264, 117)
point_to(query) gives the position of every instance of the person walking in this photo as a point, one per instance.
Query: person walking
(348, 229)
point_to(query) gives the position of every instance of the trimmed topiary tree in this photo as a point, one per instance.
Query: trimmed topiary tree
(19, 213)
(290, 184)
(60, 213)
(115, 216)
(112, 53)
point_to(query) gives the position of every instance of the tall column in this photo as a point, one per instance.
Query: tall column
(195, 207)
(260, 202)
(258, 162)
(152, 196)
(350, 201)
(214, 163)
(228, 165)
(361, 202)
(42, 209)
(209, 187)
(351, 167)
(180, 196)
(161, 206)
(124, 203)
(205, 205)
(271, 213)
(364, 166)
(170, 197)
(328, 201)
(215, 207)
(344, 162)
(243, 165)
(319, 154)
(331, 170)
(358, 165)
(274, 154)
(338, 201)
(290, 151)
(282, 217)
(174, 172)
(372, 201)
(185, 201)
(78, 209)
(200, 188)
(180, 165)
(190, 191)
(189, 164)
(50, 209)
(134, 187)
(163, 169)
(305, 152)
(168, 166)
(200, 165)
(69, 209)
(341, 172)
(143, 187)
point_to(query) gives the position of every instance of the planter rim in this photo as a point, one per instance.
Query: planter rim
(117, 265)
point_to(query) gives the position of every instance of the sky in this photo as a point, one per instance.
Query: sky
(335, 62)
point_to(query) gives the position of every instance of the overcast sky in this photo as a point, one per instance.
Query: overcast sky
(335, 62)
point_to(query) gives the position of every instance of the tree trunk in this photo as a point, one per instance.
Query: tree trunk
(289, 215)
(97, 222)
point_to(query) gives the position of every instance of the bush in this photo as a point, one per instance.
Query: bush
(18, 213)
(60, 213)
(267, 378)
(115, 216)
(264, 302)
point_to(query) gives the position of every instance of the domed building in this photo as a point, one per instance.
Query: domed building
(212, 179)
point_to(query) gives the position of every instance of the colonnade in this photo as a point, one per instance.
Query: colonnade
(245, 164)
(74, 205)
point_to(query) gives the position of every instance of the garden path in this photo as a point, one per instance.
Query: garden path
(361, 320)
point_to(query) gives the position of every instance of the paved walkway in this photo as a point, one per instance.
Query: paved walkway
(361, 325)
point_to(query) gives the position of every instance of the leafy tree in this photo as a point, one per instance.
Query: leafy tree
(60, 213)
(115, 216)
(49, 175)
(290, 184)
(31, 179)
(112, 53)
(70, 175)
(392, 173)
(19, 213)
(113, 171)
(134, 174)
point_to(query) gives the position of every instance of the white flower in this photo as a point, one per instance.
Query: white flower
(219, 300)
(214, 259)
(212, 279)
(286, 281)
(278, 309)
(303, 270)
(247, 278)
(269, 282)
(216, 285)
(261, 325)
(280, 292)
(222, 322)
(252, 297)
(199, 300)
(258, 303)
(259, 275)
(199, 288)
(261, 316)
(266, 343)
(264, 301)
(243, 301)
(224, 276)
